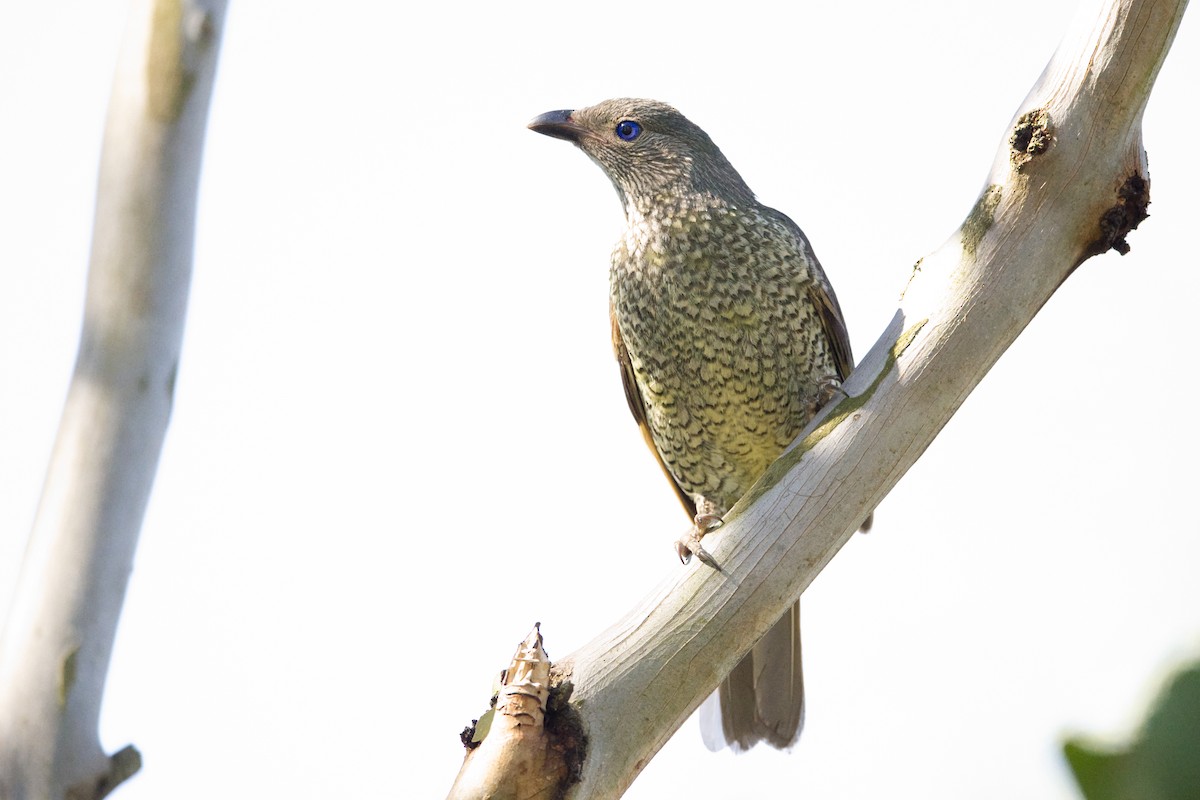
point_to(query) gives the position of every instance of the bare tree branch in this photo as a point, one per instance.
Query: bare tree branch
(1069, 182)
(59, 635)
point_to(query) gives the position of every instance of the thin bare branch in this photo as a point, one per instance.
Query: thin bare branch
(59, 635)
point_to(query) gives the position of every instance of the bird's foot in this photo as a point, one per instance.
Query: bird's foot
(829, 388)
(689, 545)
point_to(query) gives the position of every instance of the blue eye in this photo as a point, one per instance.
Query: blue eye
(628, 130)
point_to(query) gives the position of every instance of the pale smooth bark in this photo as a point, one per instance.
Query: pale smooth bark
(59, 634)
(1066, 184)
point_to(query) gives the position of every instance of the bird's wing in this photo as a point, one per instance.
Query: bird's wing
(830, 314)
(634, 397)
(820, 292)
(823, 299)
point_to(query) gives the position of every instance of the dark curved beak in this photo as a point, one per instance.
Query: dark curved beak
(557, 124)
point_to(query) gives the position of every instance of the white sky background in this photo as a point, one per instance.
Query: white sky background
(397, 392)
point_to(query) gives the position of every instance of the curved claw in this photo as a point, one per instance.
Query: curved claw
(689, 545)
(683, 551)
(830, 387)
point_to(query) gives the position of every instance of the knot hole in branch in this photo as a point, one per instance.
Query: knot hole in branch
(1116, 223)
(1032, 137)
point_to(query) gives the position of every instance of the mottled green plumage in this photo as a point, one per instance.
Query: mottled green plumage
(727, 333)
(712, 302)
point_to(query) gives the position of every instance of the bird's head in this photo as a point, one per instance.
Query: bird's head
(650, 151)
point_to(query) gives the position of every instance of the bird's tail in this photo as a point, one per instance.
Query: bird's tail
(762, 700)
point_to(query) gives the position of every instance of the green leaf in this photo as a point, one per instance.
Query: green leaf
(484, 725)
(1162, 762)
